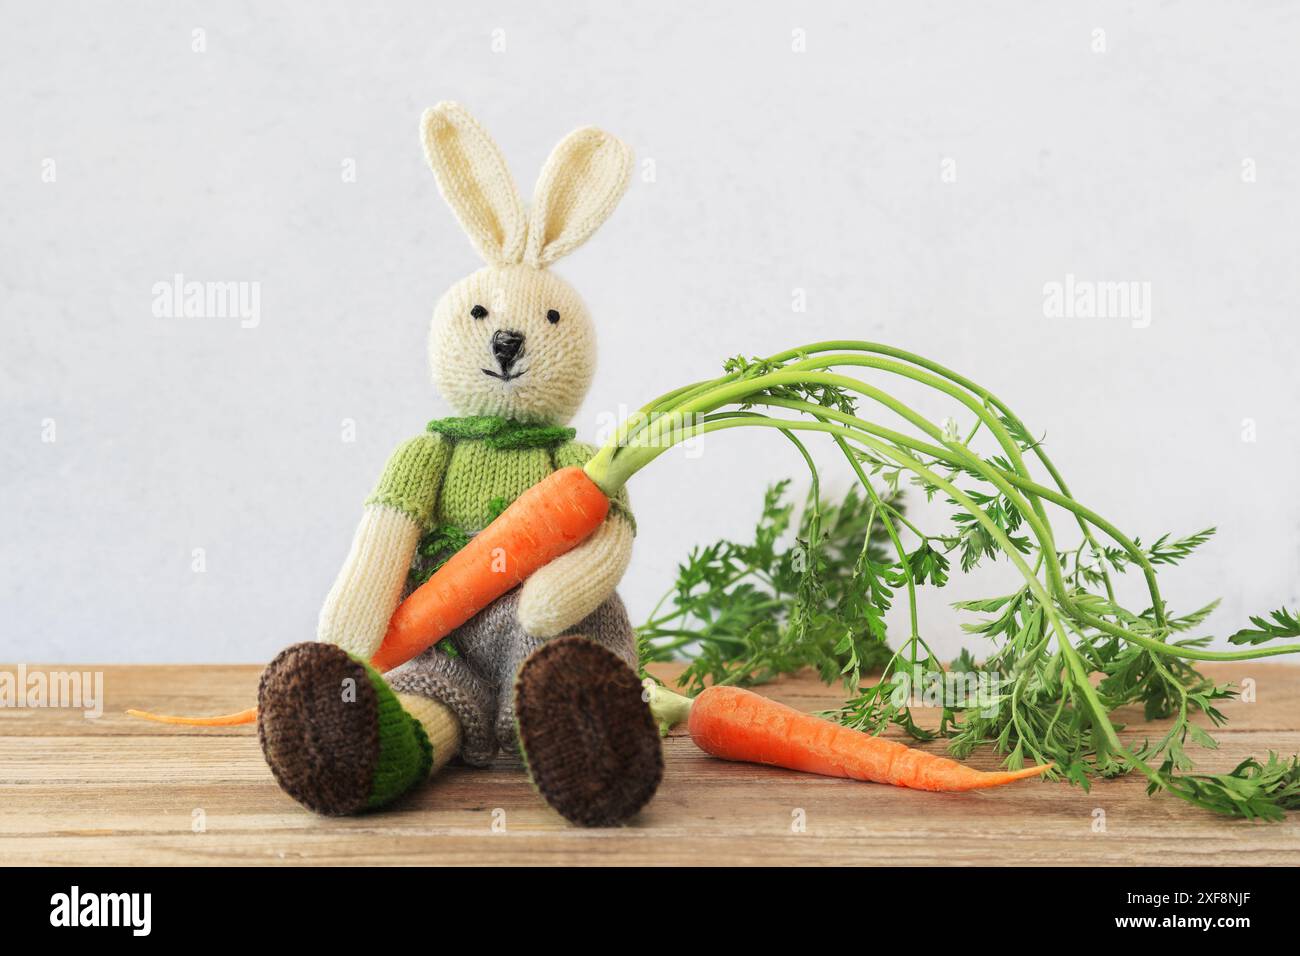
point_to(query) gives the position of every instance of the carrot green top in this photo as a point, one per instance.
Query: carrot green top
(464, 471)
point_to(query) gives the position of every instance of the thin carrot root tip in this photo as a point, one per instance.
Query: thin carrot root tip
(221, 720)
(1010, 776)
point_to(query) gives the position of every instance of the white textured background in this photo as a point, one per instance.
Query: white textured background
(775, 170)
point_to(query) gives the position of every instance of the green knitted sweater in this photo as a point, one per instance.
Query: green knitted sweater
(464, 471)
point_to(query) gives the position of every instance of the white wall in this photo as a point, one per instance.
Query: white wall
(775, 170)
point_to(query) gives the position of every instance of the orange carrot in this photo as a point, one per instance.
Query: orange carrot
(223, 720)
(737, 724)
(552, 517)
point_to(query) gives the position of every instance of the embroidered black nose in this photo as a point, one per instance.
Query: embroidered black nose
(507, 346)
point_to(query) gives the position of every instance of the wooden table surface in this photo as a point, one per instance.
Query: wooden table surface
(116, 790)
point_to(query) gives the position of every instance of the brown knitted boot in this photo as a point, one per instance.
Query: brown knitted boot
(334, 734)
(591, 746)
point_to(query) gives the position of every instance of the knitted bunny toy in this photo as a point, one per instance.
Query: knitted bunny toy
(513, 353)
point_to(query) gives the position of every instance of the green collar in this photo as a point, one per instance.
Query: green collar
(497, 432)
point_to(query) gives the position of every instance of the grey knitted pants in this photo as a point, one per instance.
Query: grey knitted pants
(477, 683)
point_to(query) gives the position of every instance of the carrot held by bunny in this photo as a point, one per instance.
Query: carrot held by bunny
(513, 353)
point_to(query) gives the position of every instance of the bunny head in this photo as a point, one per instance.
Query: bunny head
(513, 339)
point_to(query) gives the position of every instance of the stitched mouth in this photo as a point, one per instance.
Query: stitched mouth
(504, 376)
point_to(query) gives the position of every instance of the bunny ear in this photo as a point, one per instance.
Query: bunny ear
(473, 178)
(579, 187)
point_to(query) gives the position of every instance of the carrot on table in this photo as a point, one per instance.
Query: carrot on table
(737, 724)
(552, 517)
(221, 720)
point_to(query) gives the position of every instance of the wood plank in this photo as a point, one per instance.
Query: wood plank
(121, 791)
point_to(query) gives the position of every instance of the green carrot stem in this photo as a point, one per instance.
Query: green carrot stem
(961, 380)
(1150, 643)
(668, 708)
(953, 455)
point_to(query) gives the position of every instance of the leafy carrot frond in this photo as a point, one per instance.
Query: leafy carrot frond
(1280, 623)
(1060, 653)
(1175, 550)
(1252, 790)
(733, 605)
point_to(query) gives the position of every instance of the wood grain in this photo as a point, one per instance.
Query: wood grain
(115, 790)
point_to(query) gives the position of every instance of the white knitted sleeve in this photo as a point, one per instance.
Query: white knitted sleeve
(565, 591)
(367, 589)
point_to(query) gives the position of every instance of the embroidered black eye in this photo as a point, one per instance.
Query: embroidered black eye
(478, 312)
(552, 316)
